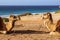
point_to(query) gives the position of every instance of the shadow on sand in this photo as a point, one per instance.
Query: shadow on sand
(28, 32)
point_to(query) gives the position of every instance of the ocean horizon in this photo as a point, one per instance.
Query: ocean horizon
(7, 10)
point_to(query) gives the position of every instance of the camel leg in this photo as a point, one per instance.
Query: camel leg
(52, 29)
(4, 32)
(46, 25)
(54, 33)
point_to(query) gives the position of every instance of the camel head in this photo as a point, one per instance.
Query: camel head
(12, 17)
(48, 16)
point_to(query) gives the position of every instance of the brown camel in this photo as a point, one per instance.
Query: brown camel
(4, 28)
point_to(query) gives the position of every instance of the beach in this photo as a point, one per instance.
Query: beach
(31, 27)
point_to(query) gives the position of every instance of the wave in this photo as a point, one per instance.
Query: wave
(7, 16)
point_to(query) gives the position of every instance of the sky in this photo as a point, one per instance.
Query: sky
(29, 2)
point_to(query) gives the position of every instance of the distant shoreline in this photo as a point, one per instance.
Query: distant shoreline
(7, 16)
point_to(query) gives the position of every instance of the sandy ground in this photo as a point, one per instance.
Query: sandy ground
(25, 31)
(29, 30)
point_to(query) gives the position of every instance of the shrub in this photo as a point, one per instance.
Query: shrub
(24, 14)
(27, 13)
(5, 19)
(58, 11)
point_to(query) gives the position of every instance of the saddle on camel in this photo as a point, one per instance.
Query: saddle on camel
(4, 28)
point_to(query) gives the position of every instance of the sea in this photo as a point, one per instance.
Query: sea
(5, 11)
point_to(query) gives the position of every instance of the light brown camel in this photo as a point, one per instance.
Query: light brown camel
(4, 28)
(48, 22)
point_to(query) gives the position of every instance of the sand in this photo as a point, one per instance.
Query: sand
(31, 28)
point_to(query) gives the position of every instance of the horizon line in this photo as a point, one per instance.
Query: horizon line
(29, 5)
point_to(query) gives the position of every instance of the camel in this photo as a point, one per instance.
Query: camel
(48, 22)
(7, 27)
